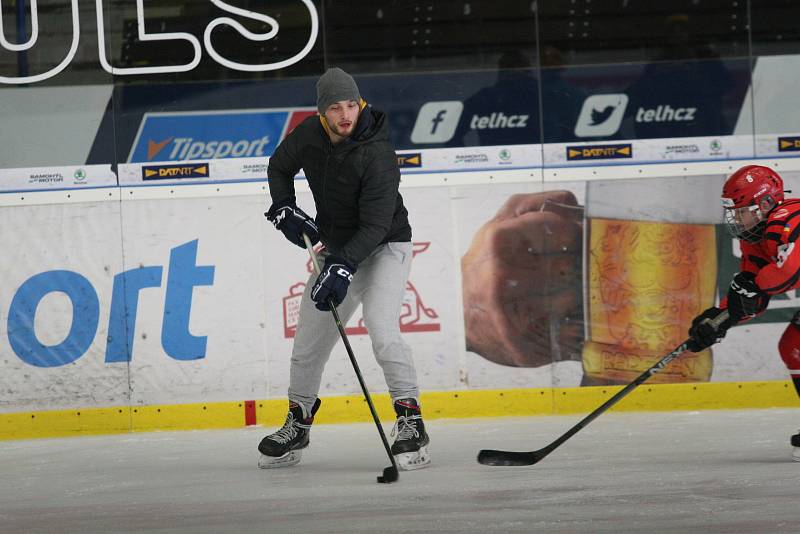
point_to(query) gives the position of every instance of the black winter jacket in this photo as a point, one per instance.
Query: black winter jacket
(354, 183)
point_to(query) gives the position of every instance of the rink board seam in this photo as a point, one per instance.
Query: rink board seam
(436, 405)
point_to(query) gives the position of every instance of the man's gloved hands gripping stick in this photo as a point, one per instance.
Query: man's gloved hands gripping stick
(332, 283)
(293, 222)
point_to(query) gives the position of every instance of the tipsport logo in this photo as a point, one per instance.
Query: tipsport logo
(188, 136)
(176, 340)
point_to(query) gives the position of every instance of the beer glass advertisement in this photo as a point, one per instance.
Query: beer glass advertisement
(591, 283)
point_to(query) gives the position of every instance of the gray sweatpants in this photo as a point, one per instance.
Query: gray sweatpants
(378, 284)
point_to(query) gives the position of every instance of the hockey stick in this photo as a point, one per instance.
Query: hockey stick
(492, 457)
(390, 474)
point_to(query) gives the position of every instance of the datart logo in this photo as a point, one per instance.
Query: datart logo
(789, 144)
(601, 115)
(174, 172)
(409, 161)
(187, 136)
(437, 122)
(599, 152)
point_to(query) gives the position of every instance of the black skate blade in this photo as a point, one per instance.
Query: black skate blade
(390, 475)
(503, 458)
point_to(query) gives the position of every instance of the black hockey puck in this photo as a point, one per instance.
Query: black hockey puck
(390, 475)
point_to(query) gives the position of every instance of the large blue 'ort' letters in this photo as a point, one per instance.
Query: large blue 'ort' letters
(178, 343)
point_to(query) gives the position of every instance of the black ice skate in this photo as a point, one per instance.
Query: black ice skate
(796, 444)
(410, 448)
(284, 448)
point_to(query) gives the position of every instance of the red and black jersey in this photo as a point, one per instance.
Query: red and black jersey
(775, 259)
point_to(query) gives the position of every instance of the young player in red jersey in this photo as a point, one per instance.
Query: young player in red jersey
(768, 227)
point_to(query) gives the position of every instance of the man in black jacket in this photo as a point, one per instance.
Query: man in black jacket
(352, 171)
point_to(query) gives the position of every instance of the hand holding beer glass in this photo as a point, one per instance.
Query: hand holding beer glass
(649, 267)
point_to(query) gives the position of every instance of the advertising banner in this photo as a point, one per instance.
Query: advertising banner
(55, 304)
(594, 282)
(648, 151)
(651, 264)
(146, 302)
(190, 299)
(581, 106)
(522, 300)
(184, 136)
(57, 178)
(195, 171)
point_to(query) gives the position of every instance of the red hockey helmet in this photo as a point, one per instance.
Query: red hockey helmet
(748, 196)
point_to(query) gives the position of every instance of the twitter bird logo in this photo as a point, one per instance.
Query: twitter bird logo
(601, 115)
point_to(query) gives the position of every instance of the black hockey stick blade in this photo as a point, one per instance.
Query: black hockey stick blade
(390, 475)
(492, 457)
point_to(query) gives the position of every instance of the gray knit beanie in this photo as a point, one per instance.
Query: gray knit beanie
(334, 86)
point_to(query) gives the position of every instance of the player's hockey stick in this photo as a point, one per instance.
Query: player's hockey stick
(492, 457)
(390, 474)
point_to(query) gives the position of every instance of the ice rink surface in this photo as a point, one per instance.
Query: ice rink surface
(710, 471)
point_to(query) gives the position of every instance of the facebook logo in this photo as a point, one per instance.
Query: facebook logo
(601, 115)
(437, 122)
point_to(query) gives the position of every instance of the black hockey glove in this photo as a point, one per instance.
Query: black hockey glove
(332, 283)
(745, 298)
(703, 333)
(293, 222)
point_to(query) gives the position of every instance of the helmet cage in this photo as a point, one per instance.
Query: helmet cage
(748, 222)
